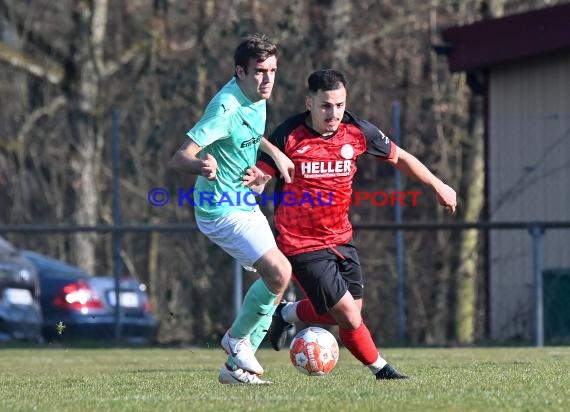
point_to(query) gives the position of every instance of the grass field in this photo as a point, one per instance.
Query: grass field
(486, 379)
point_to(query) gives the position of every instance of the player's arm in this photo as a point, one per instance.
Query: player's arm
(186, 160)
(255, 179)
(409, 165)
(378, 144)
(282, 162)
(214, 125)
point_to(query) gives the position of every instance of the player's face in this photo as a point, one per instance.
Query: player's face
(327, 109)
(257, 80)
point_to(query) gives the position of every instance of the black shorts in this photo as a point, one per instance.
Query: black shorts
(325, 275)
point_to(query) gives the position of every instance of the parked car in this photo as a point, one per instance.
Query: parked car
(77, 305)
(20, 313)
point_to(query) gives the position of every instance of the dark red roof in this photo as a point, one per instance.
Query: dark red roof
(517, 36)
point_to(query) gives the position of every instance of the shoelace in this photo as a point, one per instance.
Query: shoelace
(241, 342)
(245, 376)
(251, 378)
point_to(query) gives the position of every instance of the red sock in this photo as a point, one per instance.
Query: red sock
(306, 313)
(359, 342)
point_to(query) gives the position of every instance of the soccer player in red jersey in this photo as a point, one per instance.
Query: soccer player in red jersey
(314, 231)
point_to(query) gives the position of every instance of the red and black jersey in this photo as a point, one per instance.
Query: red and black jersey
(312, 212)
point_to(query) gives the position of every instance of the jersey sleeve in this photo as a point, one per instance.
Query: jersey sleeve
(377, 143)
(214, 125)
(277, 138)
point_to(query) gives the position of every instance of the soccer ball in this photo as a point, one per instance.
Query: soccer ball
(314, 351)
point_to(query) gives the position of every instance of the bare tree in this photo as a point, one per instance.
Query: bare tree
(64, 65)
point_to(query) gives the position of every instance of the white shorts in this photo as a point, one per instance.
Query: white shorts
(246, 236)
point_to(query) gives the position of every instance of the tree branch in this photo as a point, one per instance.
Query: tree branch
(112, 67)
(51, 72)
(46, 110)
(32, 38)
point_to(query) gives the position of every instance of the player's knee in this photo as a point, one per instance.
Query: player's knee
(285, 271)
(282, 274)
(275, 269)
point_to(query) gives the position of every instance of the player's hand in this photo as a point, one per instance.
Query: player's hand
(209, 167)
(446, 197)
(285, 166)
(255, 179)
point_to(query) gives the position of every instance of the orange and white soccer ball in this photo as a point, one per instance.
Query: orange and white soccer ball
(314, 351)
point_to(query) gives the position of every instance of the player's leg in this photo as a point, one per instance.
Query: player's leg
(356, 337)
(261, 300)
(353, 331)
(275, 270)
(304, 311)
(263, 296)
(333, 282)
(248, 238)
(230, 373)
(270, 264)
(259, 332)
(310, 266)
(332, 279)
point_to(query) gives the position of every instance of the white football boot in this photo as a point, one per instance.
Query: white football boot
(239, 377)
(241, 352)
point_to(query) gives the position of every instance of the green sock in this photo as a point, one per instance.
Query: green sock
(261, 329)
(231, 363)
(258, 303)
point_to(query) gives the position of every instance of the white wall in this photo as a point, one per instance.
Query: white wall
(529, 179)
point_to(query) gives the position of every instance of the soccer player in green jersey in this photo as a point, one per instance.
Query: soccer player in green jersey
(222, 150)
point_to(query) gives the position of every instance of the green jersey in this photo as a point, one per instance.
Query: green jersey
(230, 130)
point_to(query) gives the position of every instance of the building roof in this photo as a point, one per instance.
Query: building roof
(493, 41)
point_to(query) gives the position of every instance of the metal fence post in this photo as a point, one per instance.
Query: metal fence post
(401, 286)
(536, 232)
(117, 235)
(238, 286)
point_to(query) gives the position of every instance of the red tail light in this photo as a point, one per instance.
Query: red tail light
(78, 296)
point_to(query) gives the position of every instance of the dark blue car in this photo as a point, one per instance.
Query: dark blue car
(20, 313)
(77, 305)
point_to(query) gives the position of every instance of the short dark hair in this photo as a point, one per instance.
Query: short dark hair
(254, 46)
(325, 80)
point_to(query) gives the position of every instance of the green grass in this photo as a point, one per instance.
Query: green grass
(486, 379)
